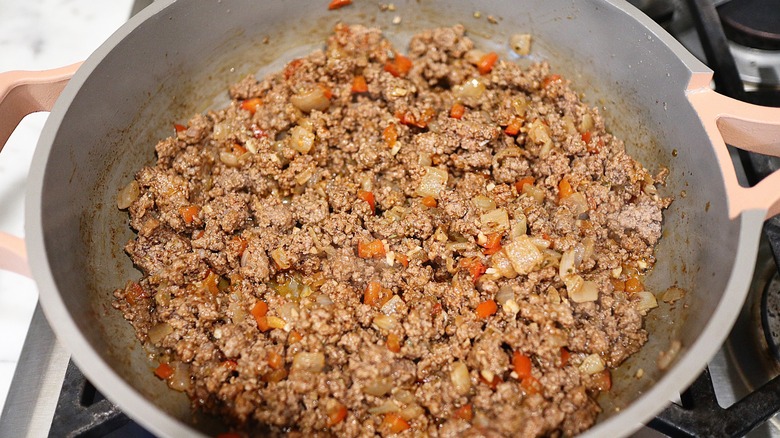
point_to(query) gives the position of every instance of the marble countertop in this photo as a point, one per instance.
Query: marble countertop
(37, 35)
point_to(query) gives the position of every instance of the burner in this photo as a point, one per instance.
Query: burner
(752, 23)
(770, 315)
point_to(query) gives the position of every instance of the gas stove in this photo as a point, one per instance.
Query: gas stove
(738, 394)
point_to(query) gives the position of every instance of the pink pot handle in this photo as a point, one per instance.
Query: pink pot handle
(22, 93)
(750, 127)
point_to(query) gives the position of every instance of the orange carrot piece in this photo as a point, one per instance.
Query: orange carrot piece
(521, 365)
(163, 371)
(336, 4)
(457, 111)
(251, 104)
(393, 343)
(369, 198)
(486, 63)
(359, 84)
(486, 308)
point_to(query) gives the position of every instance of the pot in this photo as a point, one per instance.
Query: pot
(177, 57)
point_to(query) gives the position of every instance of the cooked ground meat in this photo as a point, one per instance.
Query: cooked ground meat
(369, 243)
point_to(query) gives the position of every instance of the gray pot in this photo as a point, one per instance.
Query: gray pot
(178, 57)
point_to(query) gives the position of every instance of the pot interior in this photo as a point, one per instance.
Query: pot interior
(179, 57)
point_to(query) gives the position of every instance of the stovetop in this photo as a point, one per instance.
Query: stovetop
(738, 390)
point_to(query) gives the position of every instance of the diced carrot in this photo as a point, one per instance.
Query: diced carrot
(531, 385)
(523, 181)
(275, 376)
(564, 188)
(521, 365)
(486, 63)
(618, 284)
(390, 135)
(210, 282)
(474, 266)
(486, 308)
(393, 343)
(604, 380)
(359, 84)
(251, 104)
(369, 198)
(457, 111)
(189, 212)
(294, 337)
(292, 67)
(634, 284)
(179, 128)
(163, 371)
(262, 323)
(465, 412)
(437, 309)
(586, 136)
(259, 311)
(565, 356)
(197, 234)
(375, 294)
(238, 150)
(550, 80)
(230, 364)
(240, 244)
(402, 259)
(408, 119)
(134, 293)
(374, 249)
(399, 66)
(335, 4)
(493, 244)
(275, 360)
(513, 128)
(336, 414)
(394, 423)
(429, 201)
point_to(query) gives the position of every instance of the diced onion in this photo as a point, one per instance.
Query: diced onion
(411, 412)
(424, 159)
(495, 221)
(180, 380)
(520, 105)
(484, 203)
(592, 364)
(539, 133)
(304, 177)
(573, 283)
(505, 294)
(379, 387)
(159, 331)
(404, 396)
(472, 88)
(566, 266)
(503, 266)
(313, 99)
(128, 195)
(577, 203)
(289, 312)
(665, 358)
(236, 312)
(385, 322)
(519, 225)
(460, 378)
(323, 300)
(301, 139)
(568, 123)
(384, 408)
(588, 291)
(393, 305)
(281, 258)
(586, 123)
(523, 254)
(432, 183)
(521, 43)
(646, 301)
(228, 159)
(311, 362)
(536, 193)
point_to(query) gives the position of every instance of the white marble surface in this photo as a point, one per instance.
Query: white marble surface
(35, 35)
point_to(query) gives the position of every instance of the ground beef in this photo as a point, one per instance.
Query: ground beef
(451, 247)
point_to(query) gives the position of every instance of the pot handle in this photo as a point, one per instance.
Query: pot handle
(746, 126)
(22, 93)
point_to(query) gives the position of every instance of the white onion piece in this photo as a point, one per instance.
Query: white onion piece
(672, 294)
(586, 123)
(404, 396)
(301, 139)
(385, 322)
(523, 254)
(504, 294)
(324, 300)
(521, 43)
(459, 375)
(313, 99)
(495, 221)
(180, 380)
(573, 283)
(432, 183)
(393, 305)
(519, 225)
(536, 193)
(520, 105)
(484, 203)
(281, 258)
(378, 388)
(128, 195)
(646, 301)
(311, 362)
(472, 88)
(228, 159)
(411, 412)
(236, 312)
(384, 408)
(159, 331)
(567, 263)
(289, 312)
(503, 266)
(539, 133)
(592, 364)
(587, 292)
(577, 203)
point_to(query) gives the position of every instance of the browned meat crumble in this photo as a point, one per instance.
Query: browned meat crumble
(453, 247)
